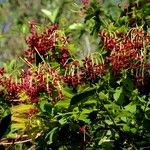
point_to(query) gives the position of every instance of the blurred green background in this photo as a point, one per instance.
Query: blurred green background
(15, 14)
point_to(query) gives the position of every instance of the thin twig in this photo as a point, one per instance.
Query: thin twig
(17, 142)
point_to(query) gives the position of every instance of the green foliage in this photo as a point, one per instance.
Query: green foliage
(51, 15)
(78, 98)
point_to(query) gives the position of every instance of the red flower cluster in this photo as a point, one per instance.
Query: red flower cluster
(83, 129)
(85, 2)
(2, 71)
(31, 112)
(1, 75)
(72, 74)
(44, 79)
(41, 42)
(32, 82)
(44, 43)
(11, 87)
(125, 50)
(86, 72)
(91, 71)
(64, 56)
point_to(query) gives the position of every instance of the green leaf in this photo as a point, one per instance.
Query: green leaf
(112, 106)
(108, 122)
(84, 115)
(22, 108)
(124, 113)
(18, 125)
(44, 105)
(133, 130)
(24, 28)
(10, 67)
(12, 133)
(131, 108)
(102, 140)
(61, 148)
(72, 49)
(51, 15)
(123, 119)
(76, 26)
(115, 13)
(63, 103)
(103, 96)
(62, 121)
(117, 93)
(78, 98)
(67, 92)
(91, 102)
(126, 127)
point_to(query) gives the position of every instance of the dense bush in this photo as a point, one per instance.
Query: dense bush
(62, 98)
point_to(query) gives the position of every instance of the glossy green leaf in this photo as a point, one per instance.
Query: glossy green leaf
(131, 108)
(78, 98)
(63, 103)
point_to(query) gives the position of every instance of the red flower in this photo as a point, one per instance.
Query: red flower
(85, 2)
(2, 71)
(31, 112)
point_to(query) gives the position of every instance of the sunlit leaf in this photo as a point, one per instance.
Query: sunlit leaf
(51, 15)
(103, 96)
(63, 103)
(18, 125)
(131, 108)
(18, 119)
(76, 26)
(22, 108)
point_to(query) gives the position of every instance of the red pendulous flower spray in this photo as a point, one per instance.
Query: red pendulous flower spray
(47, 43)
(125, 52)
(128, 51)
